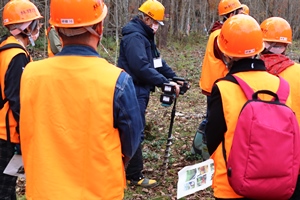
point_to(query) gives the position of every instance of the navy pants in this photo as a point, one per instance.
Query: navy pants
(136, 164)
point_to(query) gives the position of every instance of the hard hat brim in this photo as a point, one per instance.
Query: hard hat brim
(161, 23)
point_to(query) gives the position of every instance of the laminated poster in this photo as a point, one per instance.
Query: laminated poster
(194, 178)
(15, 167)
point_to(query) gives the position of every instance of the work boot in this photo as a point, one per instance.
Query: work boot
(143, 182)
(199, 143)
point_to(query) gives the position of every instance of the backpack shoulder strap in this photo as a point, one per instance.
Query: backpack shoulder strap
(245, 87)
(15, 45)
(247, 91)
(12, 45)
(283, 90)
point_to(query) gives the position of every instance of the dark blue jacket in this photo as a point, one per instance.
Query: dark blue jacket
(137, 50)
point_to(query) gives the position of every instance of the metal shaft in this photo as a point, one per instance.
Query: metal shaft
(169, 140)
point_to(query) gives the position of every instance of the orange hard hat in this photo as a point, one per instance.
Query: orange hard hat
(153, 9)
(276, 29)
(246, 9)
(19, 11)
(240, 36)
(76, 13)
(228, 6)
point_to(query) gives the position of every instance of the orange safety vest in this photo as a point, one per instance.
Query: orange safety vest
(291, 75)
(233, 99)
(70, 147)
(6, 57)
(212, 68)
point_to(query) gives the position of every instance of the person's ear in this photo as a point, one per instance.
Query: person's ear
(99, 28)
(147, 20)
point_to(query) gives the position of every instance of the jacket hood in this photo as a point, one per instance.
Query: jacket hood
(217, 25)
(137, 25)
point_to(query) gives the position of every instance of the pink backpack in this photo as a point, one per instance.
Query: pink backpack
(265, 154)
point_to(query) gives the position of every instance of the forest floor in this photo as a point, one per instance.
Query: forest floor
(185, 57)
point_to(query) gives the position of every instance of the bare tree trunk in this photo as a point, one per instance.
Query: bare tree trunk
(188, 25)
(182, 15)
(46, 25)
(117, 32)
(176, 17)
(163, 32)
(171, 17)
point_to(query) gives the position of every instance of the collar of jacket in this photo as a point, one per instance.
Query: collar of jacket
(79, 50)
(247, 64)
(147, 30)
